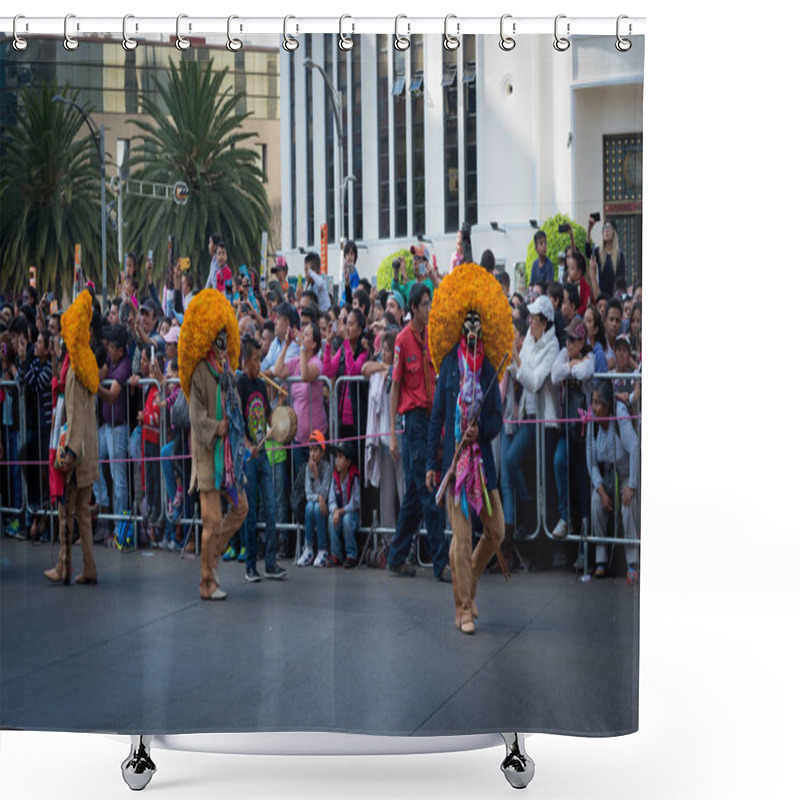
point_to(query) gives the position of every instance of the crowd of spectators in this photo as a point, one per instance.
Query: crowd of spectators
(328, 354)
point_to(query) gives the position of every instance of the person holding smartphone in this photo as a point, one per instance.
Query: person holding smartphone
(607, 262)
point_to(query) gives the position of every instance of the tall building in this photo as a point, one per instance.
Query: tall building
(432, 138)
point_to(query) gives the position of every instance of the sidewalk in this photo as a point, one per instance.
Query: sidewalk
(325, 649)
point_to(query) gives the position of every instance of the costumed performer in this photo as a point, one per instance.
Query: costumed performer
(78, 453)
(470, 331)
(208, 353)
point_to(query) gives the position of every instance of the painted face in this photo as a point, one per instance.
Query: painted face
(221, 343)
(472, 328)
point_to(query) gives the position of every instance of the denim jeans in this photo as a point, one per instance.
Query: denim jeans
(153, 481)
(506, 490)
(258, 472)
(99, 487)
(417, 500)
(518, 453)
(348, 525)
(117, 448)
(170, 486)
(570, 461)
(316, 521)
(11, 453)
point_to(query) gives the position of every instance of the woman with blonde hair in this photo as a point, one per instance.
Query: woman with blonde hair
(607, 262)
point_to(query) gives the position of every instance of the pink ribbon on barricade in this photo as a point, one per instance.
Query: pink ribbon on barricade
(585, 416)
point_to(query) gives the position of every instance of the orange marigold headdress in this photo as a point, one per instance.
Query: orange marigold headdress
(207, 314)
(470, 288)
(76, 328)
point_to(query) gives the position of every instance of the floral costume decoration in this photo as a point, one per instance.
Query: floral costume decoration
(76, 329)
(470, 291)
(207, 316)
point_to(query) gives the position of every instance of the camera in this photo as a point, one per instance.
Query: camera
(595, 215)
(563, 227)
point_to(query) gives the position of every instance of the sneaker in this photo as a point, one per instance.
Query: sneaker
(242, 556)
(321, 558)
(13, 530)
(403, 571)
(307, 559)
(560, 531)
(274, 572)
(349, 563)
(600, 571)
(446, 576)
(633, 576)
(171, 546)
(333, 561)
(229, 555)
(252, 576)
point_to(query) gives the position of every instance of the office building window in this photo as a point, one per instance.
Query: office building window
(358, 165)
(383, 137)
(470, 132)
(417, 90)
(450, 106)
(331, 146)
(310, 233)
(400, 171)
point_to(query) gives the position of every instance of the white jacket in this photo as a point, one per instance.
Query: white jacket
(537, 358)
(582, 372)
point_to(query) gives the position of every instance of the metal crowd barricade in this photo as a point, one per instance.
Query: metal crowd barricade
(542, 469)
(374, 530)
(13, 429)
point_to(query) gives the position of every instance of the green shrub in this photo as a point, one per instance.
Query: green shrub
(386, 273)
(556, 242)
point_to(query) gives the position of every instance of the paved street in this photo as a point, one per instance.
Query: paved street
(328, 649)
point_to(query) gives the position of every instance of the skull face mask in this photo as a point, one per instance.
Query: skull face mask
(472, 328)
(221, 344)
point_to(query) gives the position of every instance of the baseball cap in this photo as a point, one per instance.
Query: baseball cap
(317, 437)
(576, 329)
(280, 263)
(149, 305)
(542, 305)
(420, 251)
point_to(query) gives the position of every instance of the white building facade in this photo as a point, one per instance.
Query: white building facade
(432, 138)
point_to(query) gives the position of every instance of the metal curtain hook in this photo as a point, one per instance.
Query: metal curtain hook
(19, 42)
(70, 42)
(289, 42)
(127, 42)
(623, 45)
(451, 42)
(233, 44)
(401, 42)
(181, 42)
(561, 43)
(345, 42)
(507, 42)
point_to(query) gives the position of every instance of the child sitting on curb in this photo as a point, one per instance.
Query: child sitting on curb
(344, 504)
(318, 483)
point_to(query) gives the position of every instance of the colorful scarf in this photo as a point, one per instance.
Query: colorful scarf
(228, 452)
(470, 484)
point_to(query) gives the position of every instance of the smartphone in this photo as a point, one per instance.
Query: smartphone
(53, 306)
(563, 228)
(152, 354)
(32, 276)
(595, 215)
(149, 255)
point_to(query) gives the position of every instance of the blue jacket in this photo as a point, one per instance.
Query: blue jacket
(444, 409)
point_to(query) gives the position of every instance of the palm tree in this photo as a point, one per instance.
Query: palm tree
(196, 141)
(49, 193)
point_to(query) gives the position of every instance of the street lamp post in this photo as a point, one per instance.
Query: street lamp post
(99, 137)
(337, 118)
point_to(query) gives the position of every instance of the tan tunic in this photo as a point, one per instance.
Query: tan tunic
(203, 416)
(80, 406)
